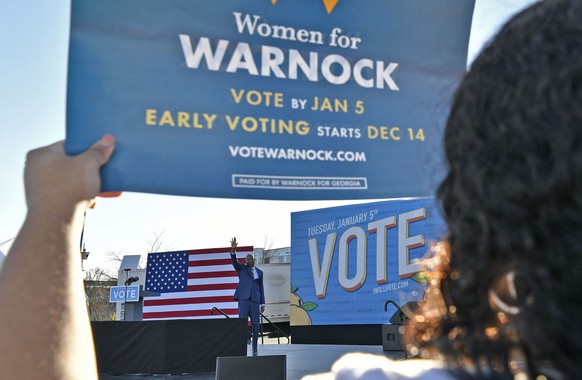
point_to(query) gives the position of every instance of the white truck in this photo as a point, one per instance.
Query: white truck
(276, 267)
(276, 279)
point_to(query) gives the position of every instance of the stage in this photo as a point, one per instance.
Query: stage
(302, 359)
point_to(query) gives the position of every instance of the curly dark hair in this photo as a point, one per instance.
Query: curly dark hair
(512, 199)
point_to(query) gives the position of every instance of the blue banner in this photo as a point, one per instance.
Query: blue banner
(124, 293)
(288, 99)
(351, 264)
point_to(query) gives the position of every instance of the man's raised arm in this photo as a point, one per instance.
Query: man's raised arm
(235, 263)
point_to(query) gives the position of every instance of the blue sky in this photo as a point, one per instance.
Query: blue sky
(33, 73)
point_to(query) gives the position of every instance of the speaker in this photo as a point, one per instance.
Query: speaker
(392, 338)
(268, 367)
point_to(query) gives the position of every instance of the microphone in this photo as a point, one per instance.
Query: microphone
(131, 280)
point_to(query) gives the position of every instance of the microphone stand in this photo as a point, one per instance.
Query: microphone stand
(403, 314)
(125, 301)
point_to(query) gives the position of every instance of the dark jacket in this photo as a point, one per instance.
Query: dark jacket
(248, 287)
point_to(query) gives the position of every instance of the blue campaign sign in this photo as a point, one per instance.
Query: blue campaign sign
(124, 293)
(288, 99)
(351, 264)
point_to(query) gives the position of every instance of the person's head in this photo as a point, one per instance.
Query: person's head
(512, 198)
(250, 259)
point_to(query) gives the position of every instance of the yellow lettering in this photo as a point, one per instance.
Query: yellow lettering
(383, 133)
(395, 133)
(285, 126)
(151, 116)
(255, 98)
(265, 125)
(341, 105)
(315, 104)
(209, 119)
(278, 99)
(237, 95)
(372, 132)
(183, 118)
(232, 123)
(359, 107)
(250, 124)
(195, 122)
(167, 119)
(302, 128)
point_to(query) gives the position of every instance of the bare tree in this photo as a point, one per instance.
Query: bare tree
(156, 244)
(266, 253)
(114, 256)
(97, 284)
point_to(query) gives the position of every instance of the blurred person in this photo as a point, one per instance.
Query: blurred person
(44, 326)
(504, 300)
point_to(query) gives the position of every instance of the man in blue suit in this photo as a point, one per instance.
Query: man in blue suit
(250, 292)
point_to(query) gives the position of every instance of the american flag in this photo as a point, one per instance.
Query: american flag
(191, 283)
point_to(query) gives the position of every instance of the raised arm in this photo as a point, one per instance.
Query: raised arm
(233, 244)
(44, 326)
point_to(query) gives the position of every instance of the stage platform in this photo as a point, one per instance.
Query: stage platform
(302, 359)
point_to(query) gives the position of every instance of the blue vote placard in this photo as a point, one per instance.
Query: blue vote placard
(353, 264)
(288, 99)
(124, 293)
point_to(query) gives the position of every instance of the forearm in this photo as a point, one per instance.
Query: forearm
(235, 262)
(54, 303)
